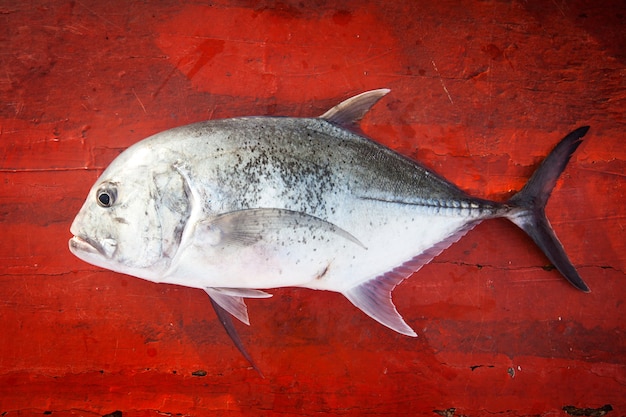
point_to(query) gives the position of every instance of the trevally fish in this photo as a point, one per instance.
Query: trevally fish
(236, 206)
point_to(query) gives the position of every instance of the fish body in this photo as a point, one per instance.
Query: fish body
(236, 206)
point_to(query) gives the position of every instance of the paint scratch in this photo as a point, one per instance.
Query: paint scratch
(139, 100)
(432, 61)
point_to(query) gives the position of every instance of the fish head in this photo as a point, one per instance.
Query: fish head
(133, 218)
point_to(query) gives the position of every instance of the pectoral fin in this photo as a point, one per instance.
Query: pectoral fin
(246, 227)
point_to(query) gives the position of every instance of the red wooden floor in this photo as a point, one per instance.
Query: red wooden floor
(481, 91)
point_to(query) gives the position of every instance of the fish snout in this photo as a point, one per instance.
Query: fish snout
(84, 245)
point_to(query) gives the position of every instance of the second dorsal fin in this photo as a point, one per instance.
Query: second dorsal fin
(349, 112)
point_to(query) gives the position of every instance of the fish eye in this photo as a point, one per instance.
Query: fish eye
(106, 196)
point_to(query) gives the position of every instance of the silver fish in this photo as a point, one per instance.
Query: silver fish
(240, 205)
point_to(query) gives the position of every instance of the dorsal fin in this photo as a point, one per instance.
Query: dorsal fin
(349, 112)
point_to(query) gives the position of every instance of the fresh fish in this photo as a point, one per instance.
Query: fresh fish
(240, 205)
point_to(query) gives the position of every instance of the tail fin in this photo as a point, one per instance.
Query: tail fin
(530, 202)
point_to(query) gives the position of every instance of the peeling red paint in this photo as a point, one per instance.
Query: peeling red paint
(480, 93)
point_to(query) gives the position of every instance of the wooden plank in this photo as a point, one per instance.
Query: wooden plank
(480, 92)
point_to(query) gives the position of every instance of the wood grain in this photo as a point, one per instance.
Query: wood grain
(481, 91)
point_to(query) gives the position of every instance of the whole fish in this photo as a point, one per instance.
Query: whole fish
(239, 205)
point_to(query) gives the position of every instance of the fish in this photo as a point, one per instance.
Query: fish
(239, 206)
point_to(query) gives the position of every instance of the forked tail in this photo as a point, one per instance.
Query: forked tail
(530, 202)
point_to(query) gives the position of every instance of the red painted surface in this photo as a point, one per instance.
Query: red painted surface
(480, 92)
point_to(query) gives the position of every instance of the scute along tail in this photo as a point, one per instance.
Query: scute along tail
(530, 202)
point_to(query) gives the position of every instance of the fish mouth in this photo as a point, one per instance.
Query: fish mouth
(80, 244)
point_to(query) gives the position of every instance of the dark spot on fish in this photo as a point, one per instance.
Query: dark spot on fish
(548, 267)
(120, 220)
(115, 413)
(321, 274)
(199, 372)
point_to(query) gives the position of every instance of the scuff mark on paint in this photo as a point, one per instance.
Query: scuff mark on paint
(590, 412)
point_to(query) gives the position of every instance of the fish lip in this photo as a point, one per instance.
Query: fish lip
(85, 244)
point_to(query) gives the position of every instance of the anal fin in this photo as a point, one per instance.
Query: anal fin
(374, 297)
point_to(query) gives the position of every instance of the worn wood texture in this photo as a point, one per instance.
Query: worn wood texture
(481, 91)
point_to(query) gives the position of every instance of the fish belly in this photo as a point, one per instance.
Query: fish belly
(318, 259)
(409, 237)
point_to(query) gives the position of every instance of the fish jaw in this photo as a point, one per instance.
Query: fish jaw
(79, 246)
(105, 251)
(92, 251)
(99, 252)
(87, 251)
(102, 254)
